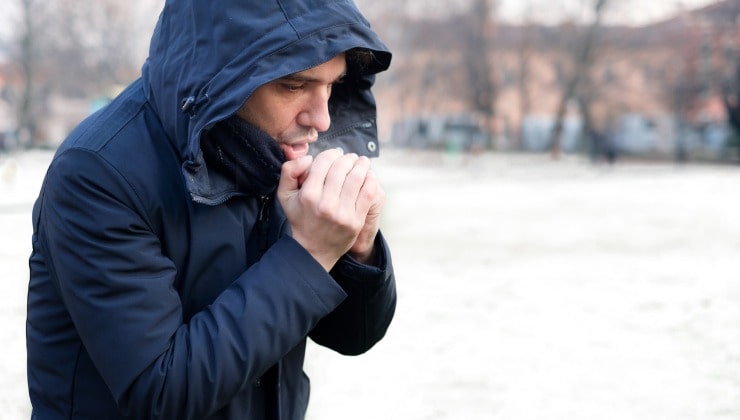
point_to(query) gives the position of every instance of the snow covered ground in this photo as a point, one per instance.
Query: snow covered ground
(528, 289)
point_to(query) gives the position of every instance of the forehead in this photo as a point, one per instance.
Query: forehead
(327, 72)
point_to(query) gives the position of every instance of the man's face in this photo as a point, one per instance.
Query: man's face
(295, 109)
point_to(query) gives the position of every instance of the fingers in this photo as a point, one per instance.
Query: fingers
(320, 168)
(341, 171)
(293, 170)
(293, 173)
(336, 186)
(336, 181)
(336, 208)
(353, 185)
(371, 196)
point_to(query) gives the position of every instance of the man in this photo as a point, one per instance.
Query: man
(185, 243)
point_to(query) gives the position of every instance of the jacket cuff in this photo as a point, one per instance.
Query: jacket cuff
(312, 273)
(347, 266)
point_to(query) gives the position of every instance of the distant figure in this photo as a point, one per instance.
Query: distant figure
(603, 146)
(9, 171)
(610, 147)
(610, 139)
(681, 152)
(596, 144)
(732, 106)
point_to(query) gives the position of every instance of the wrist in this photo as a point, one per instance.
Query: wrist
(367, 254)
(367, 258)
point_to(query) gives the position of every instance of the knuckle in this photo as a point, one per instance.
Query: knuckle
(367, 194)
(352, 226)
(325, 210)
(307, 198)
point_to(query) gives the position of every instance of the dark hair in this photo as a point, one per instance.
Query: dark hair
(361, 61)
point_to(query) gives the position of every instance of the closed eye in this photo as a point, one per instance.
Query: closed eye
(293, 87)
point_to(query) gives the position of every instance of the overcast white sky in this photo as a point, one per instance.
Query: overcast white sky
(632, 12)
(624, 11)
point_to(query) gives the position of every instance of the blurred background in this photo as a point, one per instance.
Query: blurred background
(562, 180)
(603, 78)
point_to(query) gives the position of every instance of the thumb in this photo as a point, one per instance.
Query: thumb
(293, 174)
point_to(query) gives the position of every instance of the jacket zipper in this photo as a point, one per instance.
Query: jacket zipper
(263, 221)
(211, 201)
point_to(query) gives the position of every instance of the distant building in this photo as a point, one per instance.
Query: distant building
(452, 133)
(536, 133)
(658, 86)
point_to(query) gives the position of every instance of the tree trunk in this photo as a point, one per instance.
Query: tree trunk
(584, 59)
(26, 123)
(480, 73)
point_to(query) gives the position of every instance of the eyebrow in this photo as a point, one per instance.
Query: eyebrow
(308, 79)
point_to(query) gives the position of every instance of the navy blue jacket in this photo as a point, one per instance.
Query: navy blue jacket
(160, 289)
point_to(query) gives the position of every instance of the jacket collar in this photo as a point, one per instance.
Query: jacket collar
(239, 159)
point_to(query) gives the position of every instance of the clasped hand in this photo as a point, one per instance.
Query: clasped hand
(333, 205)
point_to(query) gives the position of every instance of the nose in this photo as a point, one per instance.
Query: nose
(316, 112)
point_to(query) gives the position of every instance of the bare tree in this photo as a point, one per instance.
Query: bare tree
(584, 55)
(525, 53)
(31, 95)
(731, 99)
(67, 50)
(476, 59)
(707, 70)
(731, 90)
(98, 39)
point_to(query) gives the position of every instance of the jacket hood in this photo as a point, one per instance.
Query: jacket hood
(207, 58)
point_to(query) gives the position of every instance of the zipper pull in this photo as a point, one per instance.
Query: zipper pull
(263, 221)
(190, 104)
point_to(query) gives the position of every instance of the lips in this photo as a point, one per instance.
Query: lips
(295, 150)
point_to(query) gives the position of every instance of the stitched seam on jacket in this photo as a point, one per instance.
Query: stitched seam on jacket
(74, 382)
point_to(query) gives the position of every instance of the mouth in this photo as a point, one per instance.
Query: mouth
(295, 150)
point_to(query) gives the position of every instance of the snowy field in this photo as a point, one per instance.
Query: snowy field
(528, 289)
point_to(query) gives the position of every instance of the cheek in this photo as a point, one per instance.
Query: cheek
(283, 125)
(259, 117)
(272, 114)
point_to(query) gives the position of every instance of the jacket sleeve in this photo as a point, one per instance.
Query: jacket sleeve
(118, 288)
(363, 318)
